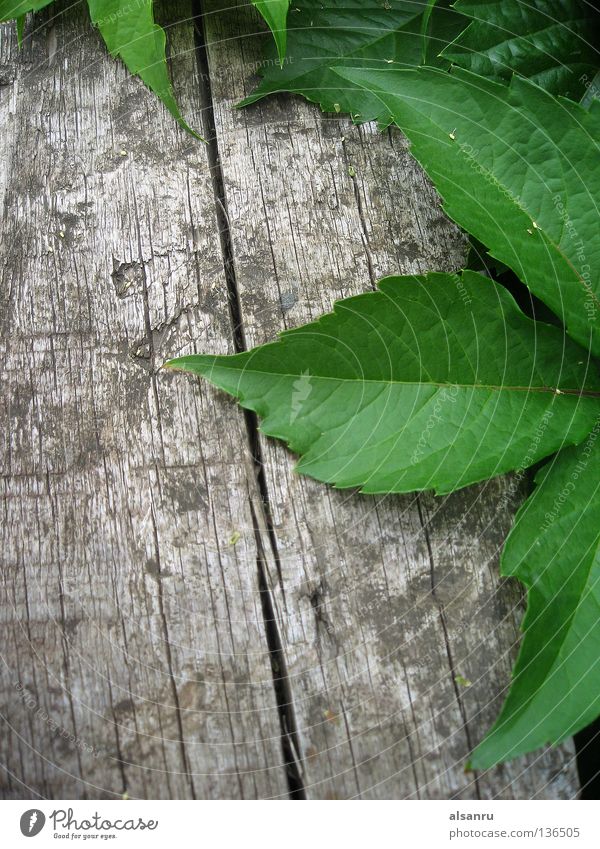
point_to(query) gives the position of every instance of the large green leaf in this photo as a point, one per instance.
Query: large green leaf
(430, 382)
(130, 32)
(10, 9)
(365, 33)
(554, 549)
(548, 41)
(516, 167)
(275, 14)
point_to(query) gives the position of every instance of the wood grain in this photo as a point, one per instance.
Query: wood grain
(134, 655)
(183, 616)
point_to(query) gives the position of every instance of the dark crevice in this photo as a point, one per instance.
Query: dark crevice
(587, 741)
(283, 696)
(120, 760)
(361, 216)
(287, 721)
(587, 747)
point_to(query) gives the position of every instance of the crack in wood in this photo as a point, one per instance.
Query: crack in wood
(287, 720)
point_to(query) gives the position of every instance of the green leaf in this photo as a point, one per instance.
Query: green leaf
(516, 168)
(130, 32)
(430, 382)
(365, 33)
(548, 41)
(20, 29)
(426, 16)
(425, 21)
(11, 9)
(554, 549)
(275, 14)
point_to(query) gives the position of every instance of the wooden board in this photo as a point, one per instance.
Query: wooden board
(178, 620)
(382, 602)
(132, 635)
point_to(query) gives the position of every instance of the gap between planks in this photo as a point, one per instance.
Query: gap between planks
(287, 720)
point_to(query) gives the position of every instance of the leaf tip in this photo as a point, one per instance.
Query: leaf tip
(20, 30)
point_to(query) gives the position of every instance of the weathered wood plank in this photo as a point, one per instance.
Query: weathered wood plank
(382, 603)
(133, 646)
(123, 489)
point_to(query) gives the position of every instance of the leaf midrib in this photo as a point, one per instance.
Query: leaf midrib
(438, 384)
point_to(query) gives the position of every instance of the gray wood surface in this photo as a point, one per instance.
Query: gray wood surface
(182, 615)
